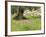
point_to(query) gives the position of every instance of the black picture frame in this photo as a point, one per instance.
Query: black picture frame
(7, 20)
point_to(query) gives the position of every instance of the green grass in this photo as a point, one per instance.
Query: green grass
(32, 23)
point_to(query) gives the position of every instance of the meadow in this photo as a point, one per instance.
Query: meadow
(33, 21)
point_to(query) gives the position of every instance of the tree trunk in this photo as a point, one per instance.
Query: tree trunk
(20, 13)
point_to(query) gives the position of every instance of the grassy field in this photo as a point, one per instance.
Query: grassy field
(32, 23)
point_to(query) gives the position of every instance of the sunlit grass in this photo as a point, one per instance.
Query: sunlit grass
(32, 23)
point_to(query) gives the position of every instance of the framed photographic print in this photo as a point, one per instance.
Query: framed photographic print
(24, 18)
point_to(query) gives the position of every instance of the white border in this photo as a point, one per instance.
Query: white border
(29, 0)
(24, 4)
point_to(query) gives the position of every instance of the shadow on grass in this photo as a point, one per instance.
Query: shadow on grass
(20, 18)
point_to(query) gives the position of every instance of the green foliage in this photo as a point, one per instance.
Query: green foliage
(14, 8)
